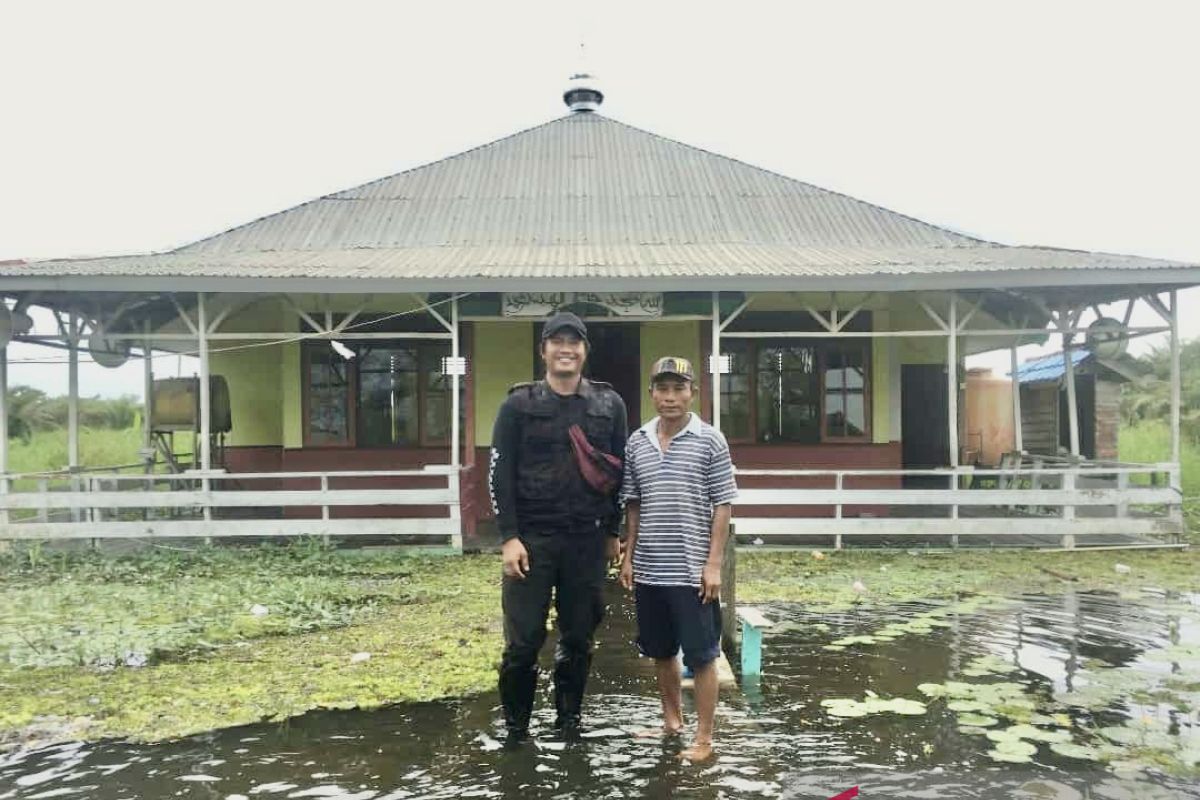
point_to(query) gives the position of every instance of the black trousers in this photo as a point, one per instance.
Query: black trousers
(570, 567)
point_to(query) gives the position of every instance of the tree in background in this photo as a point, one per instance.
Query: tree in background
(30, 410)
(1149, 397)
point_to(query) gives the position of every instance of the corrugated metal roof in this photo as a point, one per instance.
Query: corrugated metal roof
(585, 196)
(1049, 368)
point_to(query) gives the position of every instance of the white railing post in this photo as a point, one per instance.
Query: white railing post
(1175, 510)
(452, 482)
(325, 505)
(1123, 490)
(1068, 507)
(838, 485)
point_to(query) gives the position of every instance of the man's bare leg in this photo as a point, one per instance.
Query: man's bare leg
(705, 694)
(670, 691)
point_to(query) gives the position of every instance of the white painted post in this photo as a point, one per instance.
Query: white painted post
(1064, 322)
(839, 480)
(73, 391)
(205, 442)
(952, 379)
(1175, 378)
(715, 372)
(1018, 433)
(1123, 490)
(4, 429)
(325, 505)
(455, 459)
(1068, 508)
(148, 395)
(456, 538)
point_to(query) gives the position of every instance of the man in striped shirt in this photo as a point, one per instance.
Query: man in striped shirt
(677, 489)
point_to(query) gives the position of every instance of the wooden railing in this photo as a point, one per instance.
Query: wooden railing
(93, 506)
(1063, 501)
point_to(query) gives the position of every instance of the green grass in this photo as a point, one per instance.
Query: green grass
(1150, 441)
(431, 625)
(46, 451)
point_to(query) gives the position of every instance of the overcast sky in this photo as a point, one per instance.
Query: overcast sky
(133, 127)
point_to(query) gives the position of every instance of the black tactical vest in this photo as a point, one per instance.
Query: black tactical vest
(551, 492)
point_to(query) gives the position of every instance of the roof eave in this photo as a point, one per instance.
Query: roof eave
(1162, 278)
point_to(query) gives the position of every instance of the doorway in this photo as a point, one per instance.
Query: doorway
(615, 357)
(924, 416)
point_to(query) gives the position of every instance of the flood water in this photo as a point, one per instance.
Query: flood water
(1095, 661)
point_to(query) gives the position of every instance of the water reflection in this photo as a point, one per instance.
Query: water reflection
(774, 738)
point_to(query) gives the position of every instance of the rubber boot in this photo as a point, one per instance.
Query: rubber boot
(518, 684)
(570, 680)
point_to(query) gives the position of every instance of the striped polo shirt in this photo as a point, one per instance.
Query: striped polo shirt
(677, 491)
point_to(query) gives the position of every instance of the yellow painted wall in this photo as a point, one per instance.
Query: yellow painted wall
(252, 375)
(881, 368)
(503, 355)
(290, 409)
(666, 338)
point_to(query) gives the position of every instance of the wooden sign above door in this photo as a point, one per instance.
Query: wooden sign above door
(617, 304)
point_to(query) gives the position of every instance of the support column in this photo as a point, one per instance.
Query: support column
(455, 458)
(952, 377)
(205, 442)
(148, 398)
(1018, 433)
(455, 485)
(1064, 321)
(73, 331)
(714, 361)
(1175, 378)
(4, 429)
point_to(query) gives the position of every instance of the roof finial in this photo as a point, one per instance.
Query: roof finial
(583, 94)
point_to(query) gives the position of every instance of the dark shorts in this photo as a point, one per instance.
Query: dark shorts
(671, 617)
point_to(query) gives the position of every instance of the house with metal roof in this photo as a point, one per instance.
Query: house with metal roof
(360, 344)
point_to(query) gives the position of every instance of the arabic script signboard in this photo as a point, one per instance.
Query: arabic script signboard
(619, 304)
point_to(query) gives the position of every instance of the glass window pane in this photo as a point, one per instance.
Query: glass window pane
(787, 394)
(735, 390)
(856, 417)
(387, 397)
(845, 384)
(328, 394)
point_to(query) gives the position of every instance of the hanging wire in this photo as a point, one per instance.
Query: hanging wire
(267, 343)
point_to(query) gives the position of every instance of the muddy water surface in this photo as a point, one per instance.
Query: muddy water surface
(1103, 690)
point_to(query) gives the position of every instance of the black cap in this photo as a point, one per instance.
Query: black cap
(564, 320)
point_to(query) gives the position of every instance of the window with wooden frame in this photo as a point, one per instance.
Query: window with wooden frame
(376, 393)
(797, 391)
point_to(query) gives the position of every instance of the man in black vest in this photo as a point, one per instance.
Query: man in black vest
(558, 531)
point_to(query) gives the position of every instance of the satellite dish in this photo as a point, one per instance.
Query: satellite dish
(13, 323)
(110, 353)
(1106, 338)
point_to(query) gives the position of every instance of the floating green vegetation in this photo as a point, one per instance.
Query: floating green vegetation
(164, 644)
(1165, 736)
(921, 624)
(872, 704)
